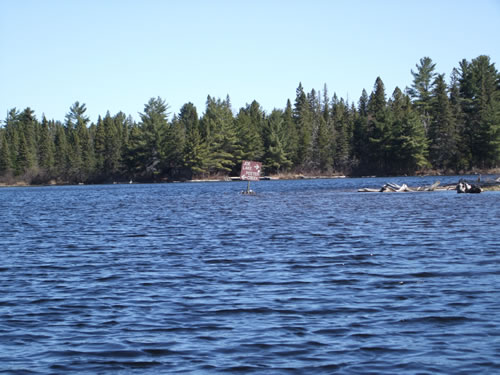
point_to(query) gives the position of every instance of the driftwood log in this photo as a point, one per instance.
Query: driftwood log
(463, 186)
(395, 188)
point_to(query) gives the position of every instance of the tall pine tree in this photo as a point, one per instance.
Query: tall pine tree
(303, 122)
(5, 163)
(421, 89)
(195, 152)
(443, 137)
(378, 131)
(407, 140)
(46, 149)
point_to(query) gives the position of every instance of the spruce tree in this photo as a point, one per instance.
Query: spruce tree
(175, 140)
(407, 140)
(484, 121)
(363, 103)
(113, 144)
(276, 159)
(46, 148)
(29, 127)
(443, 137)
(100, 145)
(480, 105)
(195, 149)
(256, 134)
(25, 158)
(291, 140)
(317, 116)
(342, 134)
(222, 141)
(360, 140)
(378, 130)
(137, 155)
(249, 128)
(463, 158)
(303, 123)
(324, 146)
(195, 153)
(12, 133)
(5, 163)
(62, 152)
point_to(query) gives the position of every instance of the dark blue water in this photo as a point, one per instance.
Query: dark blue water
(307, 277)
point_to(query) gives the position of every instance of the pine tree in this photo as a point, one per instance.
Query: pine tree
(123, 124)
(421, 89)
(317, 117)
(223, 148)
(25, 159)
(5, 162)
(324, 146)
(137, 154)
(276, 159)
(62, 150)
(46, 148)
(175, 140)
(291, 139)
(325, 110)
(113, 144)
(360, 140)
(480, 105)
(342, 134)
(363, 103)
(249, 128)
(443, 138)
(100, 144)
(152, 135)
(463, 158)
(12, 132)
(28, 127)
(378, 130)
(82, 157)
(407, 140)
(195, 151)
(484, 121)
(303, 121)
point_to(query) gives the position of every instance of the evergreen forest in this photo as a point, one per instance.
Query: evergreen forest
(437, 124)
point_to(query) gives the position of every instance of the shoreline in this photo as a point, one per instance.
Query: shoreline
(287, 176)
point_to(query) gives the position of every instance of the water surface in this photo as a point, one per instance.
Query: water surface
(307, 277)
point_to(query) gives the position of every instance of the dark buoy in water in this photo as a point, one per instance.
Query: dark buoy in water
(248, 192)
(464, 187)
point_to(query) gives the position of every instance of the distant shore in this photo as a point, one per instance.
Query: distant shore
(280, 176)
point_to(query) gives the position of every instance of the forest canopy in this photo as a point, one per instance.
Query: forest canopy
(445, 125)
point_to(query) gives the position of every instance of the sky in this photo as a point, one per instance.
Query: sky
(114, 55)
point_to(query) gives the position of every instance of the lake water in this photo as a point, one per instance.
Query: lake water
(306, 277)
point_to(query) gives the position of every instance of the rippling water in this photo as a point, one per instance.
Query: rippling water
(306, 277)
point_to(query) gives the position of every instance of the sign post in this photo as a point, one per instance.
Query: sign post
(250, 171)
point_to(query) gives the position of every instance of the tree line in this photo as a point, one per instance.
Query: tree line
(449, 127)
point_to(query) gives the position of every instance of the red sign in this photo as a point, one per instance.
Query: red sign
(250, 170)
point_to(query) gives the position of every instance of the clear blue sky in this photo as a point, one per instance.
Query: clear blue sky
(116, 54)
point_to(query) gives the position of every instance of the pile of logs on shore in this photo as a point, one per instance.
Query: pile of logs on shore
(395, 188)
